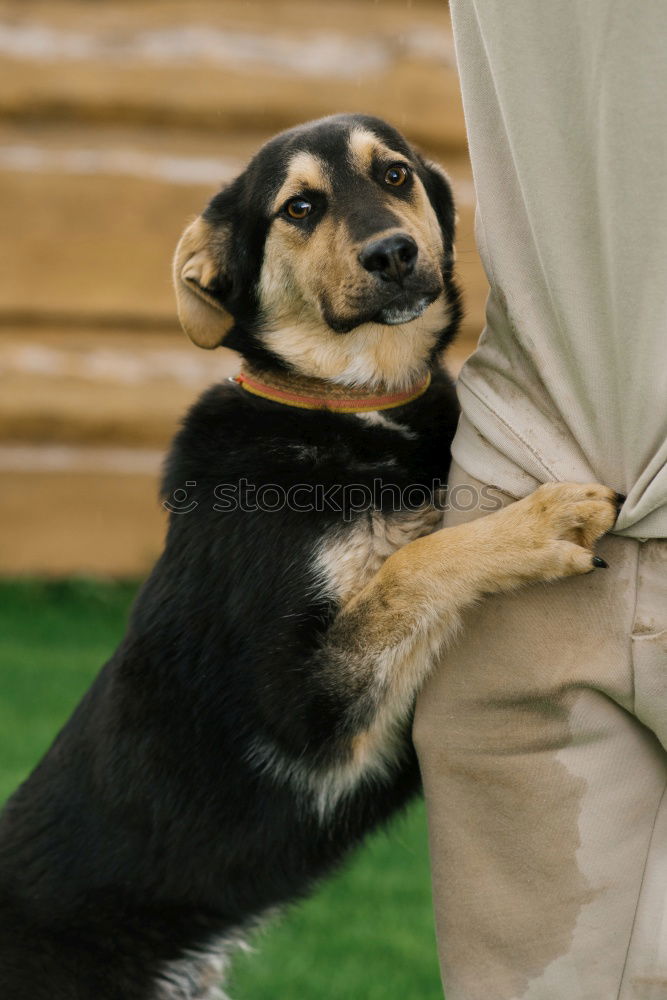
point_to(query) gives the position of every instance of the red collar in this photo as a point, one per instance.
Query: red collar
(317, 394)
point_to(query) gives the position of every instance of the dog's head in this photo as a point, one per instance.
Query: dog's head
(331, 254)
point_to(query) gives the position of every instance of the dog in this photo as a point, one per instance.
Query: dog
(254, 723)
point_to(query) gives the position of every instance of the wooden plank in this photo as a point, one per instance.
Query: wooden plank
(231, 68)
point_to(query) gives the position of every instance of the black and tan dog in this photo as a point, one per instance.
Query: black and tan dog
(254, 723)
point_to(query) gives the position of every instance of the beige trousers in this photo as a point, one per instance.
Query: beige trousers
(542, 740)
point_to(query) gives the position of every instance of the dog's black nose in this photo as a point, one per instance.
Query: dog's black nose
(392, 257)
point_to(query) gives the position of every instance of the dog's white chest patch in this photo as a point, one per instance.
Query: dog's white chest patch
(377, 419)
(349, 560)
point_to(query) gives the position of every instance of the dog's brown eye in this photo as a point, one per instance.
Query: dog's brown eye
(396, 175)
(298, 208)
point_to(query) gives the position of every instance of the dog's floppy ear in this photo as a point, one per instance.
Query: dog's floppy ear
(202, 282)
(439, 192)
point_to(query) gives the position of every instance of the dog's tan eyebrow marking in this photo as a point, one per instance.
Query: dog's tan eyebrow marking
(304, 171)
(364, 147)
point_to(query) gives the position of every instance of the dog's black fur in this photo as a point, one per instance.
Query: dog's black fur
(153, 830)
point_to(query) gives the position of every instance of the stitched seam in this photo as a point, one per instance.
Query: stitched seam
(632, 629)
(538, 458)
(639, 894)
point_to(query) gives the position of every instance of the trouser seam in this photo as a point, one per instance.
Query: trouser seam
(639, 894)
(633, 622)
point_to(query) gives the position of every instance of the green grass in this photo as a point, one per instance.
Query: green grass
(367, 934)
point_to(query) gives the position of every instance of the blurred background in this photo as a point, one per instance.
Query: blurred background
(118, 120)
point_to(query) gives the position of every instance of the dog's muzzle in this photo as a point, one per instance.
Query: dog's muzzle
(402, 293)
(398, 286)
(391, 258)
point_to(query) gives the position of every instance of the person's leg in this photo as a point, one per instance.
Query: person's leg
(645, 975)
(544, 792)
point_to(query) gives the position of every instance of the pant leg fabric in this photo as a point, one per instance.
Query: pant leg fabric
(542, 744)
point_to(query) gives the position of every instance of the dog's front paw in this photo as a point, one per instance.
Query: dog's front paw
(558, 526)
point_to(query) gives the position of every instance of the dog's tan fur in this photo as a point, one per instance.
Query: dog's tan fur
(195, 267)
(299, 274)
(304, 171)
(371, 355)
